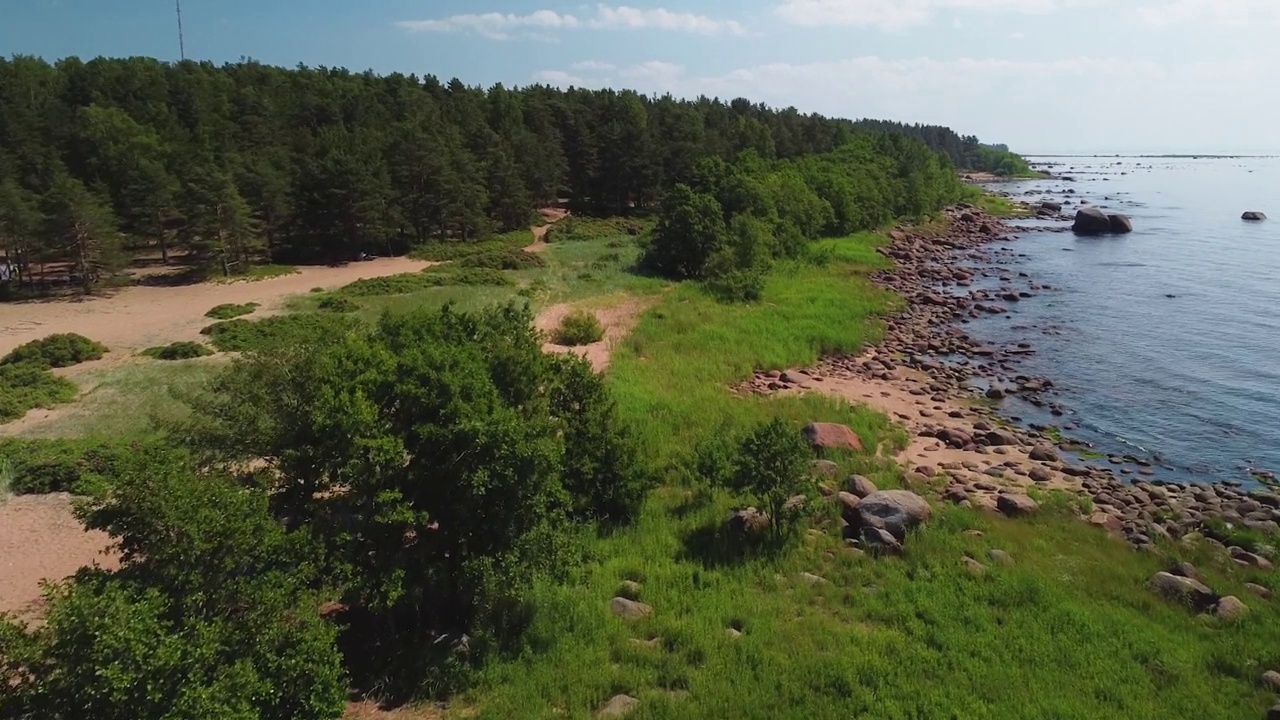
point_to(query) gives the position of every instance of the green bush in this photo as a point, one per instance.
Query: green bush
(209, 616)
(772, 466)
(335, 303)
(507, 259)
(452, 428)
(228, 311)
(448, 250)
(440, 276)
(78, 466)
(577, 228)
(183, 350)
(579, 327)
(241, 335)
(28, 385)
(56, 351)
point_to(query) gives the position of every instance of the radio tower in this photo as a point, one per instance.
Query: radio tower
(182, 48)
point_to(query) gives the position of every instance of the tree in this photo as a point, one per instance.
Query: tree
(219, 229)
(20, 222)
(437, 459)
(690, 230)
(80, 225)
(772, 466)
(210, 614)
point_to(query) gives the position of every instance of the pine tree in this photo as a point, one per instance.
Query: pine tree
(81, 225)
(20, 222)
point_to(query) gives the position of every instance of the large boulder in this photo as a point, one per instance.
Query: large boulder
(861, 486)
(1254, 215)
(1192, 593)
(1091, 221)
(880, 542)
(1051, 206)
(629, 609)
(832, 436)
(895, 511)
(1120, 224)
(1016, 505)
(618, 706)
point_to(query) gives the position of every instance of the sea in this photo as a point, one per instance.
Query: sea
(1163, 344)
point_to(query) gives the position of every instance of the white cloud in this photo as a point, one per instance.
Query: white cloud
(594, 66)
(899, 14)
(1085, 104)
(559, 78)
(1228, 13)
(500, 26)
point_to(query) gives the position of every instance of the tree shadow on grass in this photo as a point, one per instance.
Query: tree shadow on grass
(716, 545)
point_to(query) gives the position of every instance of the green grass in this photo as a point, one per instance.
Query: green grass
(121, 401)
(447, 250)
(255, 273)
(1069, 632)
(227, 311)
(577, 228)
(440, 276)
(997, 205)
(672, 375)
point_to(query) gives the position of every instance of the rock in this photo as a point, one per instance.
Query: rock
(733, 633)
(618, 706)
(1258, 590)
(629, 609)
(811, 579)
(1044, 453)
(748, 522)
(995, 393)
(860, 486)
(1051, 206)
(629, 589)
(879, 541)
(1274, 713)
(1091, 221)
(1254, 215)
(1016, 505)
(1230, 608)
(973, 566)
(1120, 224)
(832, 436)
(793, 377)
(1192, 593)
(1271, 680)
(999, 438)
(1244, 557)
(896, 511)
(848, 503)
(1187, 570)
(1040, 475)
(1000, 557)
(824, 469)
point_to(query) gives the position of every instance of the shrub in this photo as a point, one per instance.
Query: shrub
(209, 616)
(28, 385)
(241, 335)
(228, 311)
(447, 250)
(78, 466)
(335, 303)
(578, 228)
(772, 466)
(579, 327)
(183, 350)
(56, 351)
(440, 276)
(690, 230)
(506, 259)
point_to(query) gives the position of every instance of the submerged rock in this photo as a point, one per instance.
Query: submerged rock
(1254, 215)
(1120, 224)
(1091, 221)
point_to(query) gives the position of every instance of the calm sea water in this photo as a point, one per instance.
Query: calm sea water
(1192, 379)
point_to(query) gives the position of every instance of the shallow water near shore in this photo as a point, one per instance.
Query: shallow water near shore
(1163, 343)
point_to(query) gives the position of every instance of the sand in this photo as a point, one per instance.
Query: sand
(618, 315)
(140, 317)
(40, 539)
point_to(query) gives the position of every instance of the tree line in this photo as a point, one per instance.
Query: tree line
(244, 163)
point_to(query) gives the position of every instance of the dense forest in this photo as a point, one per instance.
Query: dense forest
(243, 163)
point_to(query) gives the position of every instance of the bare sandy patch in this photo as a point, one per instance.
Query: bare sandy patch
(617, 314)
(41, 540)
(551, 216)
(139, 317)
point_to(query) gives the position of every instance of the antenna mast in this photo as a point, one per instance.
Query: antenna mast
(182, 48)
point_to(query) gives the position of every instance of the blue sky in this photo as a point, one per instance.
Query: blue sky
(1040, 75)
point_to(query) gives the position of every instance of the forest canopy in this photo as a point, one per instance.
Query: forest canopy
(247, 163)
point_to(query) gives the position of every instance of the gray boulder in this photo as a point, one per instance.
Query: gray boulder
(860, 486)
(1091, 221)
(879, 542)
(1192, 593)
(618, 706)
(1051, 206)
(895, 511)
(629, 609)
(1016, 505)
(1254, 215)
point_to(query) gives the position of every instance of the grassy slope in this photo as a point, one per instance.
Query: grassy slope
(1069, 632)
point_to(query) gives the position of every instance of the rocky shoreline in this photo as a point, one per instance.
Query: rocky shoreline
(942, 383)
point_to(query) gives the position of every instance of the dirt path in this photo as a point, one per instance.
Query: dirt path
(618, 315)
(40, 539)
(140, 317)
(552, 216)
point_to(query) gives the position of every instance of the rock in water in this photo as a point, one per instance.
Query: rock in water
(1091, 221)
(1254, 215)
(1051, 206)
(895, 511)
(831, 436)
(1120, 224)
